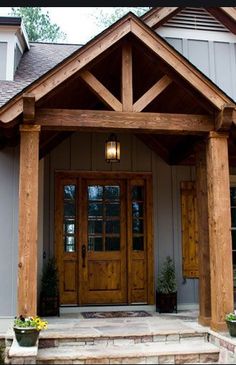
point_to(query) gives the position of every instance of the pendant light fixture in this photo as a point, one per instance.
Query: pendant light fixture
(112, 149)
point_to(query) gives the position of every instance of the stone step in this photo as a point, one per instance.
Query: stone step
(138, 353)
(82, 336)
(80, 340)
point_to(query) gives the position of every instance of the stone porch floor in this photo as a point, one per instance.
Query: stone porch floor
(167, 324)
(70, 324)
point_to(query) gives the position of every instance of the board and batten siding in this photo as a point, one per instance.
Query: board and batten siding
(85, 151)
(216, 59)
(9, 198)
(9, 177)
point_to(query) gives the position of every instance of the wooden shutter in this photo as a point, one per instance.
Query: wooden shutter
(189, 229)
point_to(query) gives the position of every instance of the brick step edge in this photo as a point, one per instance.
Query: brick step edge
(47, 342)
(196, 352)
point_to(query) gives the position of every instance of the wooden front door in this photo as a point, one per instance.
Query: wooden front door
(104, 275)
(103, 238)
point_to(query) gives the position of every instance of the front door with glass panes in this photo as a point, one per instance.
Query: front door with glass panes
(102, 239)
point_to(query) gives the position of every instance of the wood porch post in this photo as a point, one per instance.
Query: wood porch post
(203, 237)
(28, 219)
(219, 229)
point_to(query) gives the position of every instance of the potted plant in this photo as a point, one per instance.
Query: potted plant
(166, 294)
(49, 296)
(27, 330)
(230, 319)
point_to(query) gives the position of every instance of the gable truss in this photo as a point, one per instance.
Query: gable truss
(82, 58)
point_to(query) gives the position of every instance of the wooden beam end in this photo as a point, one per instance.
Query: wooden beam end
(225, 118)
(28, 108)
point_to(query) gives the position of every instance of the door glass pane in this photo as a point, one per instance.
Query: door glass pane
(69, 227)
(138, 217)
(69, 244)
(111, 192)
(69, 192)
(95, 244)
(95, 210)
(233, 217)
(95, 226)
(137, 209)
(234, 240)
(138, 243)
(137, 226)
(69, 217)
(69, 209)
(95, 192)
(112, 210)
(113, 226)
(103, 217)
(112, 244)
(233, 196)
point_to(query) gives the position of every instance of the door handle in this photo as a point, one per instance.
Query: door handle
(83, 255)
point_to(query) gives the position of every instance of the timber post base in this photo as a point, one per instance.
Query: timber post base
(204, 321)
(218, 326)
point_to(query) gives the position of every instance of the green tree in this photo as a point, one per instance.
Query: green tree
(38, 24)
(104, 18)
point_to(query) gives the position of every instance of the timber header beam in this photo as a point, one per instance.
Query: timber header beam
(68, 119)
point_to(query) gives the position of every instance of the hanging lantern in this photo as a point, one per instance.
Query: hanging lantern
(112, 149)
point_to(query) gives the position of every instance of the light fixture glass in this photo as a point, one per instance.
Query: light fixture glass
(112, 149)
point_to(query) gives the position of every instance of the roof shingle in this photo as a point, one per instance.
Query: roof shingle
(40, 59)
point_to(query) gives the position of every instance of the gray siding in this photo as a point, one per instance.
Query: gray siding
(217, 60)
(3, 60)
(9, 165)
(85, 151)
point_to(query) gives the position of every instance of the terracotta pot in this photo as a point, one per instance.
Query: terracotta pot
(232, 328)
(26, 337)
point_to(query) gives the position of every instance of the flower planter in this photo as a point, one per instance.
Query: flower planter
(26, 337)
(166, 303)
(49, 306)
(231, 327)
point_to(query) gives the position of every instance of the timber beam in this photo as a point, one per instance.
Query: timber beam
(203, 236)
(28, 108)
(72, 120)
(219, 223)
(225, 118)
(28, 220)
(101, 91)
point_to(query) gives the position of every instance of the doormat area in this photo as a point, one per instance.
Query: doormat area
(116, 314)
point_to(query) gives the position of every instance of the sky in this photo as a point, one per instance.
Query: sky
(78, 23)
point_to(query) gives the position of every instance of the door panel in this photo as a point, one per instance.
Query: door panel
(137, 228)
(66, 238)
(103, 275)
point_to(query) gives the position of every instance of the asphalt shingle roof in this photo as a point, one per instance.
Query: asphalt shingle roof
(40, 59)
